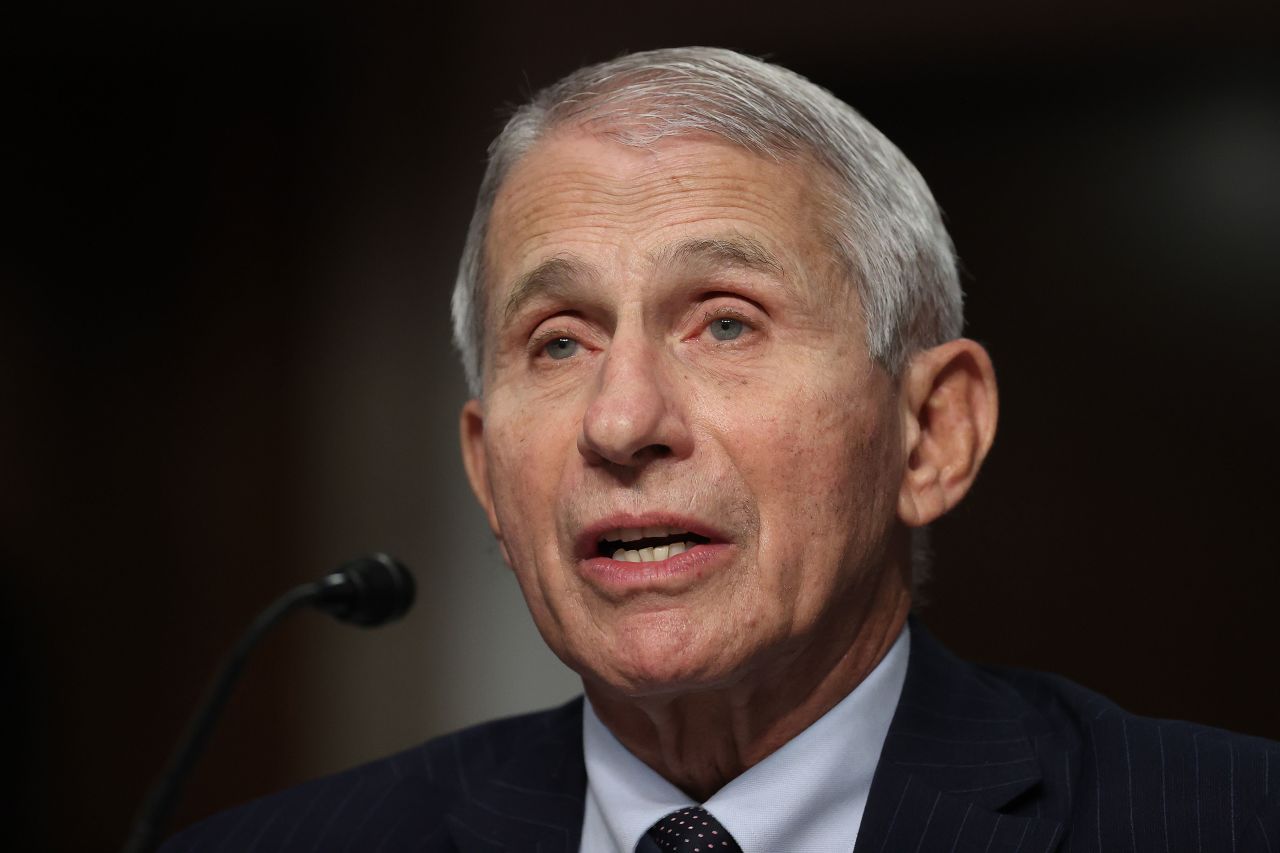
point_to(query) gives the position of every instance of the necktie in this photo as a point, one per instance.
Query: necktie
(691, 830)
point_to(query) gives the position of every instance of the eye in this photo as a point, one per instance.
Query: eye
(726, 328)
(561, 348)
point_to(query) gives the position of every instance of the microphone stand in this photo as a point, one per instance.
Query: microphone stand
(369, 591)
(157, 809)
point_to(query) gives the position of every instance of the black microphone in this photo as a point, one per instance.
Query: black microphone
(369, 591)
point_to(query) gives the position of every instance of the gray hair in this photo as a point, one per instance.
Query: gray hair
(885, 226)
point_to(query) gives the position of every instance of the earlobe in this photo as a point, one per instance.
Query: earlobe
(475, 459)
(949, 410)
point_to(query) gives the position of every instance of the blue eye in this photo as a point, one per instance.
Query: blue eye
(726, 328)
(561, 348)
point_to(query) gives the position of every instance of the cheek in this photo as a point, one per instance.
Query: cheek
(808, 445)
(823, 489)
(524, 439)
(531, 469)
(523, 480)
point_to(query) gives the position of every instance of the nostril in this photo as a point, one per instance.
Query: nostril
(652, 451)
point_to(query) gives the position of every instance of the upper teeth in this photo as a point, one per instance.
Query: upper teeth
(651, 555)
(647, 555)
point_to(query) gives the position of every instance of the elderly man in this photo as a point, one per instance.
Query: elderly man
(710, 318)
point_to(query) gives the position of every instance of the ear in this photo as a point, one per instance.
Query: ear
(475, 459)
(949, 411)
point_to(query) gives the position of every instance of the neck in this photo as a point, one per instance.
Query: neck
(700, 740)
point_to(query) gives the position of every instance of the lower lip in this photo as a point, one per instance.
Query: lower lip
(623, 576)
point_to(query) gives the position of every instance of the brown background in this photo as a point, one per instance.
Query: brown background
(225, 363)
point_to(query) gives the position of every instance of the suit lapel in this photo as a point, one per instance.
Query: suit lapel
(959, 769)
(535, 801)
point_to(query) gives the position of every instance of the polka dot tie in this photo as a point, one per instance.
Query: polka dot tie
(691, 830)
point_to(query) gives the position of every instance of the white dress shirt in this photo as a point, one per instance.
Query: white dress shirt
(807, 797)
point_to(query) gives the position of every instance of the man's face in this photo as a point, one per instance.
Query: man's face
(675, 357)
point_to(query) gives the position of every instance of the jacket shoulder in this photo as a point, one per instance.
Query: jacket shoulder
(401, 801)
(1158, 784)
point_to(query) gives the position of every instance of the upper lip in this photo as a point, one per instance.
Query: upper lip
(589, 539)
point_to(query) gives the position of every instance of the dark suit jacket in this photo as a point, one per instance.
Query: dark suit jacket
(977, 759)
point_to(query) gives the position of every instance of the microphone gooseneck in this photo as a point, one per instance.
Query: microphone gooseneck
(369, 591)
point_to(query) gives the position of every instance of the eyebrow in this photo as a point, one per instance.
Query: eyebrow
(556, 276)
(551, 277)
(732, 251)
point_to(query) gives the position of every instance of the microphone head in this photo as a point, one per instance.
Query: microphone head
(368, 591)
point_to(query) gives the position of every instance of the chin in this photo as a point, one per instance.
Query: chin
(663, 657)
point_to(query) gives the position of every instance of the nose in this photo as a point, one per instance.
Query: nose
(634, 415)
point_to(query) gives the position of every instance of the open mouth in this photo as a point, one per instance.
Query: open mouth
(647, 544)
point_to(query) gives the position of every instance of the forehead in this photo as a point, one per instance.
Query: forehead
(589, 196)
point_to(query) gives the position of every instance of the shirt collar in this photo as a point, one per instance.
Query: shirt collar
(809, 795)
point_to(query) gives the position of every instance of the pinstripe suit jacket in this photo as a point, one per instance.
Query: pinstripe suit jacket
(976, 759)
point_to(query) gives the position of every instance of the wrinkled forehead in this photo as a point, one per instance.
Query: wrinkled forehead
(585, 195)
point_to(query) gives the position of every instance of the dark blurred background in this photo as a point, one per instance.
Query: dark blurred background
(231, 230)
